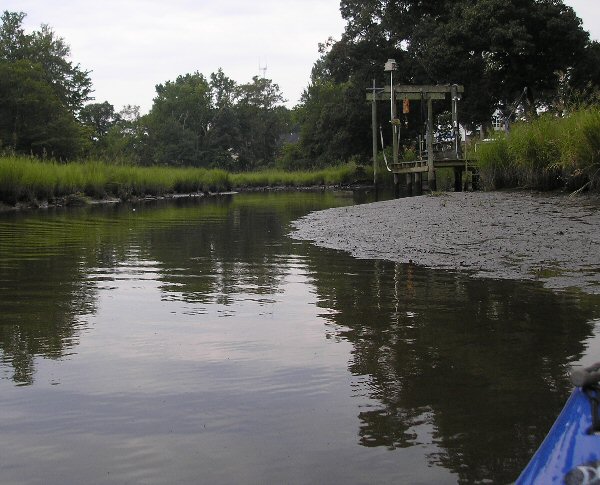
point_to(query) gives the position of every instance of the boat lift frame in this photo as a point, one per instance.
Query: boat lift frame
(429, 159)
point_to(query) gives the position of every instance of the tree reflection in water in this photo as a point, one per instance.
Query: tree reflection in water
(51, 263)
(474, 371)
(474, 364)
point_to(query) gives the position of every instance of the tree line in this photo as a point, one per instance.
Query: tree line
(496, 48)
(194, 121)
(46, 109)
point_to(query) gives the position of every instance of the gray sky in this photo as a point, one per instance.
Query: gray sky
(132, 45)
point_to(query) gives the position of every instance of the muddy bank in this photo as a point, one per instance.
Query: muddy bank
(516, 235)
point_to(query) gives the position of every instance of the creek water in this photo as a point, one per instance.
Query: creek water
(193, 341)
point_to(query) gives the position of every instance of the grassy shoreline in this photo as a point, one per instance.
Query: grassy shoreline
(547, 153)
(32, 182)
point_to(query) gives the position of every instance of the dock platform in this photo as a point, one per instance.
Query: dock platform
(413, 172)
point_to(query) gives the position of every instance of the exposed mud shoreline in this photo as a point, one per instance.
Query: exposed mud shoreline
(512, 235)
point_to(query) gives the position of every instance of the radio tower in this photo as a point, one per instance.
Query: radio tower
(262, 71)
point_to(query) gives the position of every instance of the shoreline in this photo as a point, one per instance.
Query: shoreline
(78, 200)
(554, 239)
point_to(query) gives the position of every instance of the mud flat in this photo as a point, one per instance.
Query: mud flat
(513, 235)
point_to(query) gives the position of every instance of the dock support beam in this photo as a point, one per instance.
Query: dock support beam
(418, 184)
(455, 126)
(395, 127)
(430, 166)
(374, 132)
(409, 184)
(458, 179)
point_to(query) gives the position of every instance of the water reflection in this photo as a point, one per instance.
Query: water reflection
(52, 263)
(44, 295)
(199, 340)
(480, 365)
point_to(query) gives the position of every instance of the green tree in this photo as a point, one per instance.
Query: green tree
(261, 120)
(100, 117)
(70, 82)
(215, 123)
(126, 138)
(495, 48)
(329, 122)
(223, 137)
(179, 120)
(586, 72)
(41, 91)
(32, 117)
(223, 90)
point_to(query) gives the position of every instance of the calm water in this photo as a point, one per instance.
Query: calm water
(195, 342)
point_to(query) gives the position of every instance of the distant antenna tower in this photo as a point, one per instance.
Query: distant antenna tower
(262, 70)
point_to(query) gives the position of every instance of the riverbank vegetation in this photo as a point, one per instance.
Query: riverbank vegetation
(220, 134)
(32, 181)
(549, 152)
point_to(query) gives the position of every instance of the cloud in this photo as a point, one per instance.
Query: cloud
(130, 46)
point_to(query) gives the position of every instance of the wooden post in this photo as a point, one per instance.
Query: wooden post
(374, 131)
(455, 125)
(457, 179)
(430, 166)
(409, 184)
(394, 126)
(418, 184)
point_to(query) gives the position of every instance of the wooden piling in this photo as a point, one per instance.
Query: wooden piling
(374, 132)
(430, 166)
(409, 184)
(418, 184)
(458, 179)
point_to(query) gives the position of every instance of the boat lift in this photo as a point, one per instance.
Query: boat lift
(432, 156)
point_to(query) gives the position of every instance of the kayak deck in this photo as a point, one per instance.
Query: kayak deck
(569, 453)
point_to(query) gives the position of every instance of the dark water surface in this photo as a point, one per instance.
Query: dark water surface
(195, 342)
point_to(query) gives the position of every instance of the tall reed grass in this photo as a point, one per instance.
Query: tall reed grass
(341, 174)
(30, 180)
(547, 153)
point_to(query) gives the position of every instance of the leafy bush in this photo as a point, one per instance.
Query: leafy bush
(291, 157)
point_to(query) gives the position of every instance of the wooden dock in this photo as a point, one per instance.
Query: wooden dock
(435, 155)
(416, 174)
(413, 173)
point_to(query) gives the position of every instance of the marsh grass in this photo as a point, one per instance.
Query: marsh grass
(547, 153)
(29, 180)
(341, 174)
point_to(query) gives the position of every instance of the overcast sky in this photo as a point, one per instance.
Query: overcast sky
(132, 45)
